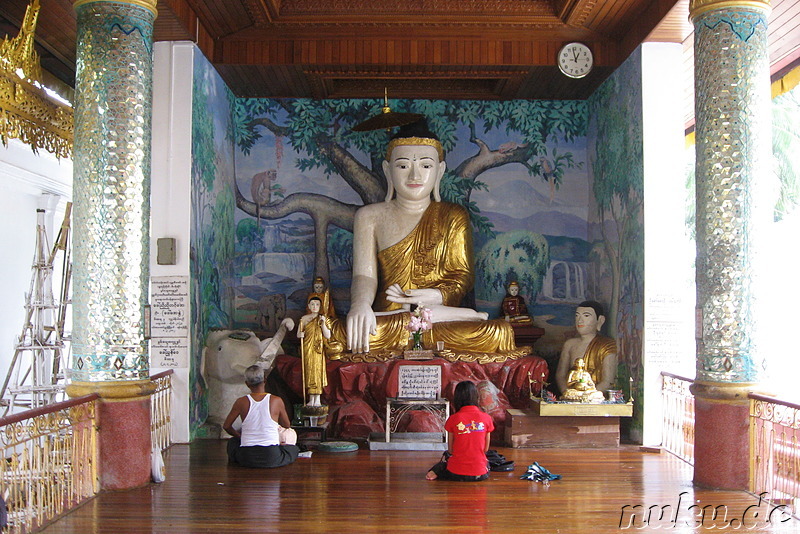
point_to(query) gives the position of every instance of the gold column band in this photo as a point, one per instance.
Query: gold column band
(698, 7)
(146, 4)
(725, 392)
(119, 390)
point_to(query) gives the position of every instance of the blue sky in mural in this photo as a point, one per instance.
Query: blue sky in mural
(512, 191)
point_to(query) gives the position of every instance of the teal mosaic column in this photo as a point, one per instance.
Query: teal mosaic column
(112, 189)
(733, 121)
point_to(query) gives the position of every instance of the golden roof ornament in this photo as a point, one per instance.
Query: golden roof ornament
(27, 111)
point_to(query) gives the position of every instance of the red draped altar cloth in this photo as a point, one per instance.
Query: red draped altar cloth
(356, 392)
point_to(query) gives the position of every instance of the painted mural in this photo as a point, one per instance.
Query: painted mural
(212, 230)
(519, 167)
(616, 174)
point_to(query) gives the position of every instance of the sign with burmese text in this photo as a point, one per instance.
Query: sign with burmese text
(169, 352)
(419, 381)
(169, 302)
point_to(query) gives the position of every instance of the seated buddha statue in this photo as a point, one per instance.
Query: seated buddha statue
(412, 250)
(513, 306)
(598, 352)
(580, 386)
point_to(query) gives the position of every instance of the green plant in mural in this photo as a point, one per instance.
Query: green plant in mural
(519, 256)
(618, 184)
(340, 247)
(250, 236)
(618, 188)
(785, 147)
(321, 130)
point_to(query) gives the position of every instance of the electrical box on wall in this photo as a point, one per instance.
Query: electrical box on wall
(166, 251)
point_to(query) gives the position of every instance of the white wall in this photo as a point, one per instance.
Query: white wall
(669, 292)
(29, 182)
(170, 199)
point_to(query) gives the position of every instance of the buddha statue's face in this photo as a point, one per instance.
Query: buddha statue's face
(513, 290)
(586, 320)
(414, 170)
(318, 287)
(313, 306)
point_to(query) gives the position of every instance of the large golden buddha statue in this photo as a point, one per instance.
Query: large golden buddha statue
(414, 251)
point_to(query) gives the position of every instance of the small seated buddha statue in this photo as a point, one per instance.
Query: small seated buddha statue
(513, 306)
(580, 386)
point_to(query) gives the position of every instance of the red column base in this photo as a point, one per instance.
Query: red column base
(722, 444)
(124, 443)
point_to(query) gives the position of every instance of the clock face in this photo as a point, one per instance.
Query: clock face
(575, 60)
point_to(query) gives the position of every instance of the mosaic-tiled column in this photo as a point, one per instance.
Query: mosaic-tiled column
(111, 217)
(733, 120)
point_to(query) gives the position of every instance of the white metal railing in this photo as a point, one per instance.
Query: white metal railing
(677, 427)
(49, 461)
(160, 410)
(774, 451)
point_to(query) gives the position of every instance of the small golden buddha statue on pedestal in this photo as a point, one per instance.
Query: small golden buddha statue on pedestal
(580, 386)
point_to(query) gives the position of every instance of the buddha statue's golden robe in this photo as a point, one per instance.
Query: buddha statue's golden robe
(600, 347)
(580, 386)
(436, 254)
(315, 377)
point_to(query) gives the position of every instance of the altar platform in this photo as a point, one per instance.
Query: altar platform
(357, 393)
(565, 425)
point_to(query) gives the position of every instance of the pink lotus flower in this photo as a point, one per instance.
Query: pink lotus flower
(421, 320)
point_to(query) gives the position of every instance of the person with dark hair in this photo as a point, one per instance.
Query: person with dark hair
(468, 431)
(598, 352)
(266, 438)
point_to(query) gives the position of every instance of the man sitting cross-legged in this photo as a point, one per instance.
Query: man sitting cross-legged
(266, 438)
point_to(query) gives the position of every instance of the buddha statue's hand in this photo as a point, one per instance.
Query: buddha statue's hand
(422, 297)
(360, 324)
(445, 314)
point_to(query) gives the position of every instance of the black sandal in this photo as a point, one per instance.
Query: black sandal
(497, 462)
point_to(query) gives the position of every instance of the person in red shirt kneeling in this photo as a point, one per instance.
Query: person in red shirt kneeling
(469, 431)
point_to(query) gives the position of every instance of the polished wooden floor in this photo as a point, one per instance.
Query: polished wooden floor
(380, 491)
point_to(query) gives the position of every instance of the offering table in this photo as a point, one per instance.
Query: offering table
(565, 424)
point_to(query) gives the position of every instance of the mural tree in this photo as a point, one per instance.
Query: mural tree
(785, 146)
(618, 187)
(519, 256)
(322, 132)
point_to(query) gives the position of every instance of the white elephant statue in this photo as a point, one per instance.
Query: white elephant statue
(226, 355)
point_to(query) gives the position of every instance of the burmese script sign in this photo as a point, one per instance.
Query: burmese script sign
(169, 352)
(169, 303)
(419, 381)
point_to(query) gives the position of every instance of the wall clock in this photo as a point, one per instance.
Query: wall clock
(575, 60)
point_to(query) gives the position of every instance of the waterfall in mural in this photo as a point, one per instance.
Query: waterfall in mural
(565, 281)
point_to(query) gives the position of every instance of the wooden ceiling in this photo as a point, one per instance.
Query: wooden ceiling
(450, 49)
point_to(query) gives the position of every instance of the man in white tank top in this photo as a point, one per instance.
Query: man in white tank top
(266, 438)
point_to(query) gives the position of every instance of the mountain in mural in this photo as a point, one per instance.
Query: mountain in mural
(543, 222)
